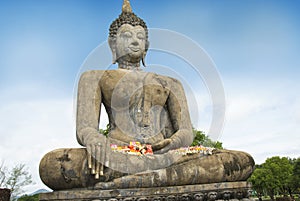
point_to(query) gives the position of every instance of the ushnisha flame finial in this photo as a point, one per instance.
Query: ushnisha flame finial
(126, 8)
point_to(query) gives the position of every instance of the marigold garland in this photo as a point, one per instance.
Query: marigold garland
(136, 148)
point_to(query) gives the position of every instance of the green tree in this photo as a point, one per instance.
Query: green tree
(202, 139)
(15, 179)
(258, 180)
(29, 198)
(281, 172)
(273, 176)
(3, 171)
(106, 130)
(295, 179)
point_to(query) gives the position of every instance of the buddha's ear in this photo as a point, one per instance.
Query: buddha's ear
(143, 59)
(144, 54)
(112, 45)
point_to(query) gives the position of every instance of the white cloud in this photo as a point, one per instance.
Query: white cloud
(29, 129)
(200, 108)
(262, 120)
(241, 107)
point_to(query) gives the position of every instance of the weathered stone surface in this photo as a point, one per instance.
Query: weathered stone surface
(144, 107)
(69, 170)
(204, 192)
(141, 106)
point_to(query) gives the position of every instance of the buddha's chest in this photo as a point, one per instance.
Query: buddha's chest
(137, 89)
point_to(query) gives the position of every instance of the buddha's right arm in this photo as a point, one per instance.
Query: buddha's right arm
(88, 107)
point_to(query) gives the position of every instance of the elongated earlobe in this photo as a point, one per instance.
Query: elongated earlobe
(144, 54)
(114, 56)
(112, 45)
(143, 59)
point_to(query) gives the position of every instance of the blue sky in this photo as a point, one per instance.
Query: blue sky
(254, 44)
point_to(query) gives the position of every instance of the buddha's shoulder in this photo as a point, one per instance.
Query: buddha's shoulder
(169, 80)
(91, 73)
(99, 73)
(118, 73)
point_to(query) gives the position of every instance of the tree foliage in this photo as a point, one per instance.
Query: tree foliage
(29, 198)
(277, 175)
(106, 130)
(3, 171)
(295, 179)
(281, 171)
(15, 179)
(258, 180)
(202, 139)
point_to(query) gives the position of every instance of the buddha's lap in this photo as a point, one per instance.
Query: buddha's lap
(67, 168)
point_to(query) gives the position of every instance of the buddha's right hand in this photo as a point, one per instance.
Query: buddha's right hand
(161, 145)
(96, 154)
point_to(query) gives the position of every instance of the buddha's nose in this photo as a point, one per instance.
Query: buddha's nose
(145, 125)
(135, 43)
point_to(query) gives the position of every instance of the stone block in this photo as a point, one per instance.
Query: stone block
(203, 192)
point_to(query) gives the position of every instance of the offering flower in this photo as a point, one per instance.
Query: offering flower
(134, 148)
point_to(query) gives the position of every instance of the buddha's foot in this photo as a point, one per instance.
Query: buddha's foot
(67, 168)
(105, 185)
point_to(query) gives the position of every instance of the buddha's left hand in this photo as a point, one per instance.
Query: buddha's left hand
(163, 146)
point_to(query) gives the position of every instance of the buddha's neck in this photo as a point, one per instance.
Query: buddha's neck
(128, 65)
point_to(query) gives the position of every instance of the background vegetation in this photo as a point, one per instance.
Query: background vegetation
(276, 177)
(14, 179)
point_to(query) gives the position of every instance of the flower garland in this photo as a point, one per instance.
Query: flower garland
(194, 150)
(136, 148)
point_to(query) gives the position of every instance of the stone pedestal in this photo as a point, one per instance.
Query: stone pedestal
(204, 192)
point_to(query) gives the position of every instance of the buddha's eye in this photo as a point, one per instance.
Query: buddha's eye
(140, 35)
(127, 34)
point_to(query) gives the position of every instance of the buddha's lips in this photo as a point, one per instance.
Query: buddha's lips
(134, 49)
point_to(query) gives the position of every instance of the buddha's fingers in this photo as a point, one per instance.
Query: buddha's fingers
(96, 159)
(162, 144)
(94, 165)
(89, 158)
(101, 155)
(101, 169)
(97, 170)
(98, 154)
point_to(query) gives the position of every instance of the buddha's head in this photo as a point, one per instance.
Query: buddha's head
(128, 38)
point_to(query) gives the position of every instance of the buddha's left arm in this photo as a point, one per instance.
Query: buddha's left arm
(180, 119)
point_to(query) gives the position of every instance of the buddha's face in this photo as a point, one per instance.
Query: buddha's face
(130, 43)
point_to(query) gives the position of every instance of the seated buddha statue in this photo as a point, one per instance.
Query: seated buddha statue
(142, 107)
